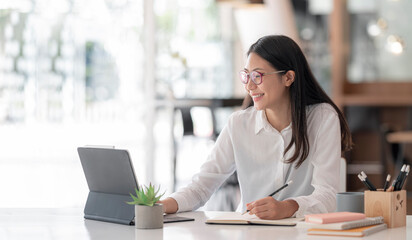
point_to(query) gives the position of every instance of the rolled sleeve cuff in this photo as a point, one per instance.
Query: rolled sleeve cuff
(182, 203)
(307, 206)
(301, 209)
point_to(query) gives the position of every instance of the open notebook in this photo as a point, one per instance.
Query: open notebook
(238, 218)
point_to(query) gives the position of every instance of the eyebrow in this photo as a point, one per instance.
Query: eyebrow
(254, 69)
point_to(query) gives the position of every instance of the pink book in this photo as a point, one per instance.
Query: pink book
(334, 217)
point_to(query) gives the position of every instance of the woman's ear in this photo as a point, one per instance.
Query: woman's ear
(289, 77)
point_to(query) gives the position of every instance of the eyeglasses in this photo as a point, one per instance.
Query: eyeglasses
(255, 76)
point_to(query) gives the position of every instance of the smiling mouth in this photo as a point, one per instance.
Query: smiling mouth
(258, 95)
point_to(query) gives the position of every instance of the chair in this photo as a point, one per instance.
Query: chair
(398, 140)
(184, 106)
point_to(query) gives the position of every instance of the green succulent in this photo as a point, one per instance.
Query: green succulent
(146, 196)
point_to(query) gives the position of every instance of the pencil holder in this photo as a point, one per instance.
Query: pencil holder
(390, 205)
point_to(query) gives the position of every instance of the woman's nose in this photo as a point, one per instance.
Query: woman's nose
(250, 85)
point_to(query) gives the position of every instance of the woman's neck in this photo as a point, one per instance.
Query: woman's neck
(279, 117)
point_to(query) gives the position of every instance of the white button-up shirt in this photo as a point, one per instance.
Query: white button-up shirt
(252, 147)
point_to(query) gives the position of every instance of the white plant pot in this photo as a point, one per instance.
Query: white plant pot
(147, 217)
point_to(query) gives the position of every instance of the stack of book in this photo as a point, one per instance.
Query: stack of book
(342, 224)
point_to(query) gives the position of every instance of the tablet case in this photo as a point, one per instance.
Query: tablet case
(110, 177)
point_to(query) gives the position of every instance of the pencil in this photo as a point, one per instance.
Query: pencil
(287, 184)
(399, 178)
(392, 187)
(385, 186)
(405, 175)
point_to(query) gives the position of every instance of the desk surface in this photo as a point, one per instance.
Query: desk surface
(69, 224)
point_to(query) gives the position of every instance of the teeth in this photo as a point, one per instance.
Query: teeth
(259, 95)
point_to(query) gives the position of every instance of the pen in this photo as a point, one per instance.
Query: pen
(385, 186)
(278, 190)
(399, 178)
(364, 182)
(405, 175)
(372, 187)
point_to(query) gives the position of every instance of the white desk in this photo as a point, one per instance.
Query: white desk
(69, 224)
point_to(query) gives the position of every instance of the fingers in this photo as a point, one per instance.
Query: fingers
(250, 206)
(169, 205)
(264, 211)
(260, 205)
(266, 208)
(259, 202)
(259, 209)
(262, 201)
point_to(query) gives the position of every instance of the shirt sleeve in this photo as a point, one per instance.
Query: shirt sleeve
(326, 167)
(218, 167)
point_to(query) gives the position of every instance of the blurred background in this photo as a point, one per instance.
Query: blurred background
(160, 78)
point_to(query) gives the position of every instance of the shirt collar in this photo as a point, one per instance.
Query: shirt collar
(260, 119)
(262, 123)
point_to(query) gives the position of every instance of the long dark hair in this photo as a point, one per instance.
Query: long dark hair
(284, 54)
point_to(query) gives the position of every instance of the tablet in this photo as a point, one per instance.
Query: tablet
(108, 170)
(110, 177)
(169, 218)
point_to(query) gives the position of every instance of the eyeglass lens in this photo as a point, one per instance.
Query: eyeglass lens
(254, 76)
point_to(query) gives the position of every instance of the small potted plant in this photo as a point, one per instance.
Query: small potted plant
(148, 213)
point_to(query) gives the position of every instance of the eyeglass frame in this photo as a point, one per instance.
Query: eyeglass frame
(260, 74)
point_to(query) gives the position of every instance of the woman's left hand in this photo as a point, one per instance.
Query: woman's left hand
(269, 208)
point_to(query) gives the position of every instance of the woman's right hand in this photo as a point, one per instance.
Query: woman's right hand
(169, 205)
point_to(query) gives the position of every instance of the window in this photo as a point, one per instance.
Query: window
(71, 74)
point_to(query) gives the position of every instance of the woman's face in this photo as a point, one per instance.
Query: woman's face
(273, 91)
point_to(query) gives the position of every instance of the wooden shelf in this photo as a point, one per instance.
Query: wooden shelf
(377, 94)
(381, 92)
(400, 137)
(379, 87)
(379, 101)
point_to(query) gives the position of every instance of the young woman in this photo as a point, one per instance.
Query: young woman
(293, 132)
